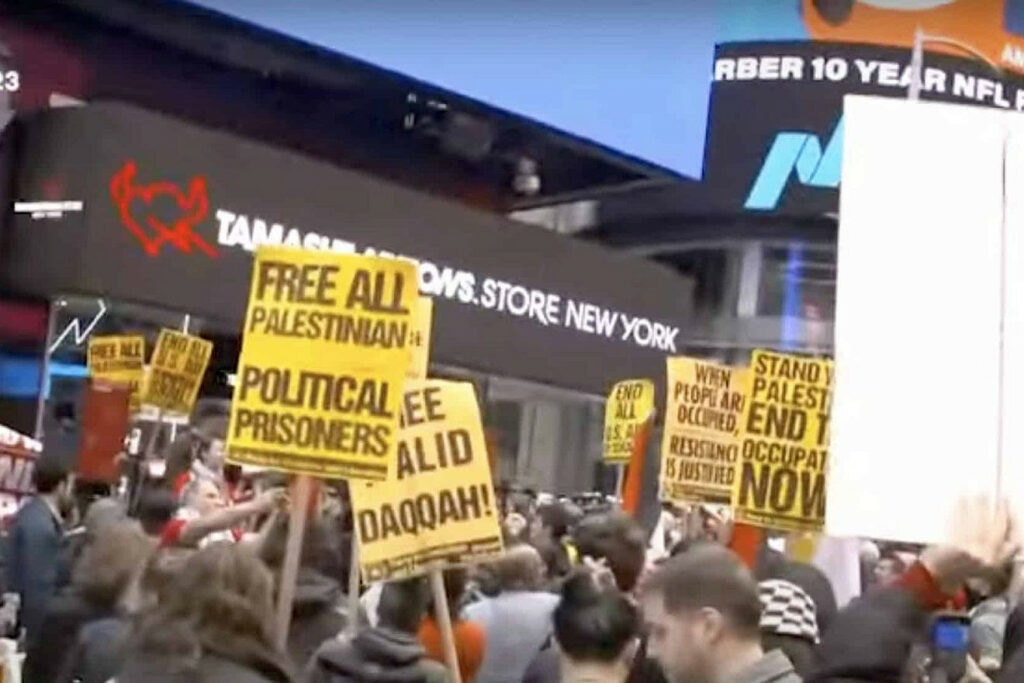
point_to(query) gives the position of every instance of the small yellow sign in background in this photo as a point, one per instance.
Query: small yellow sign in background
(120, 360)
(176, 371)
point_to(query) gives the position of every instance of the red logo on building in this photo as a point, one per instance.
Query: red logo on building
(151, 231)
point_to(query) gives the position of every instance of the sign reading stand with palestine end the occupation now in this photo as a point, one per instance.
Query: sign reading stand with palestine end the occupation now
(325, 352)
(780, 478)
(701, 445)
(176, 371)
(438, 507)
(628, 407)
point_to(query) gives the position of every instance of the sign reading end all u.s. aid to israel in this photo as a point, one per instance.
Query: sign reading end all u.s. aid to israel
(629, 406)
(325, 352)
(438, 509)
(176, 371)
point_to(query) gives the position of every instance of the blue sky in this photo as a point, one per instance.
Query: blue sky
(632, 75)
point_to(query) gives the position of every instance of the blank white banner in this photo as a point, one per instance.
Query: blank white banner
(915, 422)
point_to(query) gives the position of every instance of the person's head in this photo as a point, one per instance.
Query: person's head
(520, 503)
(596, 626)
(204, 496)
(157, 506)
(102, 513)
(789, 622)
(521, 569)
(315, 551)
(616, 538)
(552, 521)
(403, 604)
(889, 569)
(110, 561)
(55, 481)
(53, 478)
(220, 601)
(152, 580)
(702, 608)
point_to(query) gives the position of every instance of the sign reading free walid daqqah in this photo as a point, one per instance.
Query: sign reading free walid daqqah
(438, 506)
(325, 351)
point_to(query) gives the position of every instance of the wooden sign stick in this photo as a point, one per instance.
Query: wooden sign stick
(158, 425)
(353, 588)
(444, 623)
(292, 553)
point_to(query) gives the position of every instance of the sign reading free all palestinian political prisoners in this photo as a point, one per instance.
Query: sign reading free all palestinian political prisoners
(439, 505)
(701, 445)
(176, 371)
(119, 359)
(629, 405)
(325, 351)
(780, 478)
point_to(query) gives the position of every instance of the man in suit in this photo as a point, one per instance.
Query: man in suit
(35, 542)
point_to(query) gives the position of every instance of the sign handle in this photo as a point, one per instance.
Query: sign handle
(353, 588)
(633, 486)
(444, 622)
(293, 549)
(142, 462)
(158, 425)
(620, 479)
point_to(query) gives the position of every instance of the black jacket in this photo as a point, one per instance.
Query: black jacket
(319, 614)
(99, 652)
(871, 639)
(546, 667)
(57, 634)
(1013, 648)
(375, 655)
(210, 668)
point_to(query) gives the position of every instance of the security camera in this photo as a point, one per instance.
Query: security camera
(526, 181)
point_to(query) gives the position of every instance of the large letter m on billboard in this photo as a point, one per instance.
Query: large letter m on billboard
(800, 152)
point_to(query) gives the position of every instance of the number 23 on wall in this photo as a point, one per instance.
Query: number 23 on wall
(10, 81)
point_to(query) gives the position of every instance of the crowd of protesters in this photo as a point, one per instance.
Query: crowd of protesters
(178, 583)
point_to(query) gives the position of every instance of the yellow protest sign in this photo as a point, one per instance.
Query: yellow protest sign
(439, 505)
(176, 371)
(629, 405)
(325, 350)
(419, 339)
(700, 445)
(780, 476)
(119, 359)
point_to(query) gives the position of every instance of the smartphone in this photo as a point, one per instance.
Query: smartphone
(950, 639)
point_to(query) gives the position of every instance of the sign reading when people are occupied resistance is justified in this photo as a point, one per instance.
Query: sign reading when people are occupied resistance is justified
(176, 371)
(438, 506)
(629, 405)
(419, 338)
(780, 479)
(701, 446)
(325, 351)
(119, 359)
